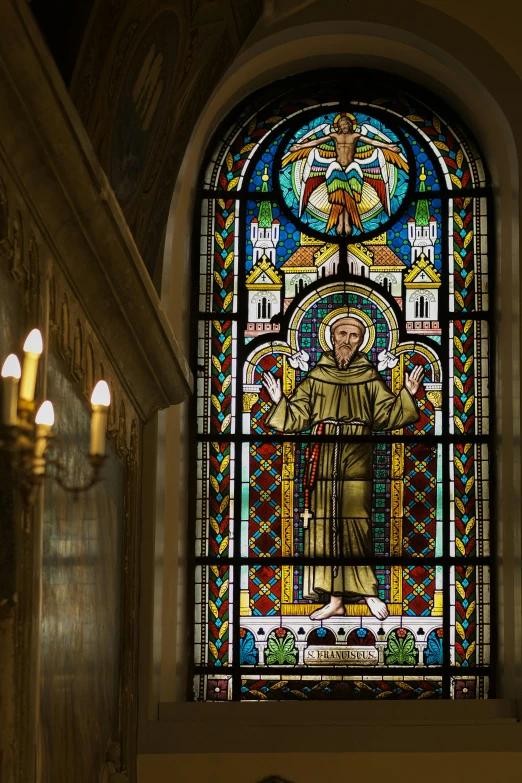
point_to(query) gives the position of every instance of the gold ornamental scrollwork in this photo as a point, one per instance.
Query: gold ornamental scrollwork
(434, 394)
(435, 397)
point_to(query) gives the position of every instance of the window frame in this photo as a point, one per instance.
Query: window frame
(243, 196)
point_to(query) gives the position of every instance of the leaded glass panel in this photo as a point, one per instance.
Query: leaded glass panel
(342, 490)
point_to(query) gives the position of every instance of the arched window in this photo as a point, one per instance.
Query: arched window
(342, 519)
(299, 285)
(421, 307)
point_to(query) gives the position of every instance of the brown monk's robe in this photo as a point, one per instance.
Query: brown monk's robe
(342, 396)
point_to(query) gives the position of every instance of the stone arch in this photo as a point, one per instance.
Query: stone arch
(33, 280)
(134, 439)
(422, 292)
(112, 423)
(90, 378)
(352, 42)
(4, 215)
(386, 279)
(65, 328)
(265, 303)
(121, 440)
(78, 351)
(17, 254)
(422, 300)
(53, 318)
(433, 61)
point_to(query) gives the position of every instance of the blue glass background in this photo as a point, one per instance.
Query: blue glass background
(266, 160)
(422, 159)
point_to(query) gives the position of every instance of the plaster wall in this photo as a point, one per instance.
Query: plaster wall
(322, 767)
(476, 69)
(69, 568)
(82, 555)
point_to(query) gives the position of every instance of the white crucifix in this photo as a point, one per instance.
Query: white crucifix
(306, 516)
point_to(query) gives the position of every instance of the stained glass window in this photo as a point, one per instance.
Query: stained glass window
(341, 503)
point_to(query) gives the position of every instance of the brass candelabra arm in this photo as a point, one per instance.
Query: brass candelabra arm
(59, 470)
(24, 449)
(25, 433)
(17, 443)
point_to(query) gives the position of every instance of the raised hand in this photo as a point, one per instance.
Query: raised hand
(273, 386)
(414, 379)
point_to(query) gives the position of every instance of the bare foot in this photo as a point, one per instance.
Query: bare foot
(377, 607)
(335, 608)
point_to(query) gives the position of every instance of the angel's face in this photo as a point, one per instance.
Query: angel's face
(345, 126)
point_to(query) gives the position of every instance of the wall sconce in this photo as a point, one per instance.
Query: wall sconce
(26, 436)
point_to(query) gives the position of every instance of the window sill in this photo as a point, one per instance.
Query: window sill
(183, 727)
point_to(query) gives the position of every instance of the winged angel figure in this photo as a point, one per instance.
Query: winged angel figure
(345, 160)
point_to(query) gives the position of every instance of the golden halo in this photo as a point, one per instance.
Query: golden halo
(335, 123)
(324, 333)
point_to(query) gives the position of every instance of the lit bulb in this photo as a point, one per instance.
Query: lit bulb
(34, 342)
(11, 368)
(100, 401)
(33, 348)
(11, 372)
(101, 394)
(45, 414)
(44, 421)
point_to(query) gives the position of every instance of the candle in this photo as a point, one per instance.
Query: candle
(11, 373)
(44, 421)
(33, 348)
(100, 401)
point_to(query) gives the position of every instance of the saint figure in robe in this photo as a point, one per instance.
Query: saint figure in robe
(344, 394)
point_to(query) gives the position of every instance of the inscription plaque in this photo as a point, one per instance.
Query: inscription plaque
(341, 655)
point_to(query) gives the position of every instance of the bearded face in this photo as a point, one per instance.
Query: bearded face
(346, 340)
(343, 355)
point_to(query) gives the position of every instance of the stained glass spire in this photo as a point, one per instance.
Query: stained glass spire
(422, 210)
(265, 210)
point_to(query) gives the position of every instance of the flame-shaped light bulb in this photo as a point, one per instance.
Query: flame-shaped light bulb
(44, 421)
(100, 401)
(11, 367)
(45, 415)
(33, 342)
(33, 348)
(101, 394)
(11, 372)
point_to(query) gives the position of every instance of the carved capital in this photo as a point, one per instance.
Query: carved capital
(249, 401)
(250, 396)
(435, 397)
